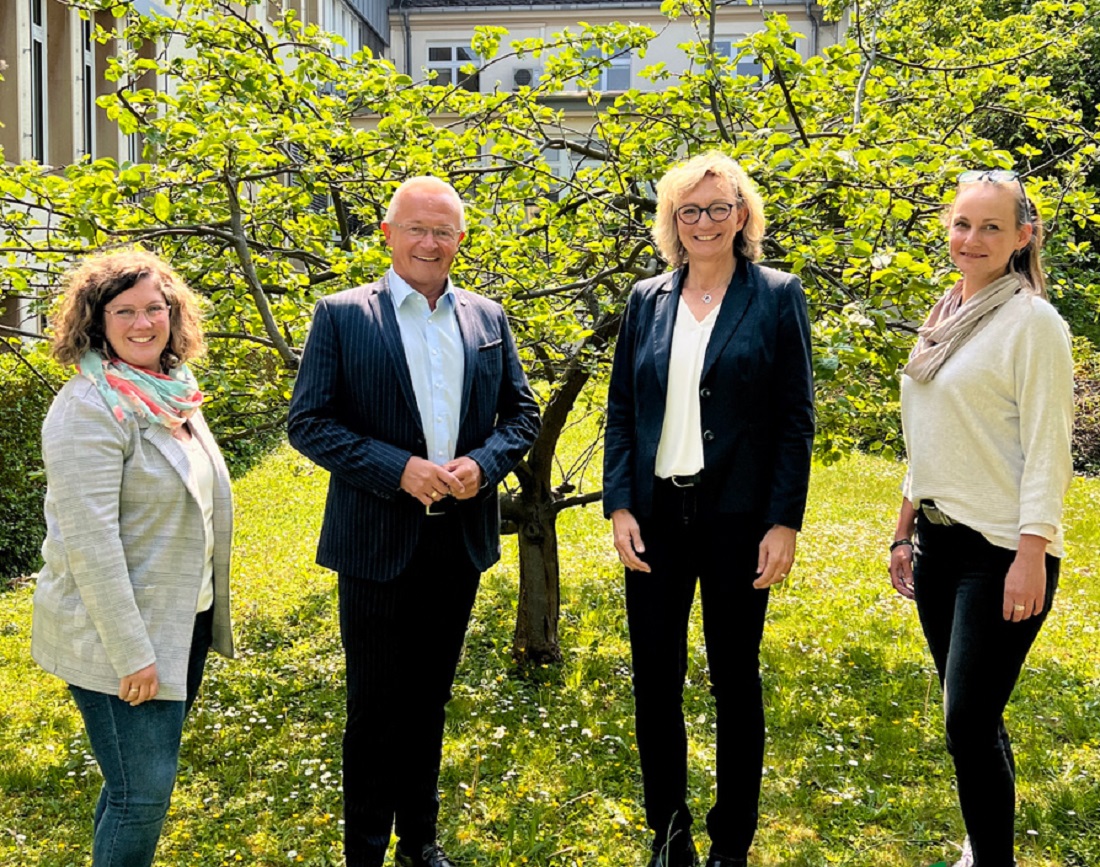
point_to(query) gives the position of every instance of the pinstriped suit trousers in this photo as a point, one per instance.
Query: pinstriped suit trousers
(402, 641)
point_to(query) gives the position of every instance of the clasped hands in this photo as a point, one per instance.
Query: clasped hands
(460, 478)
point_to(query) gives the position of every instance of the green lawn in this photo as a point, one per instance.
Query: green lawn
(543, 770)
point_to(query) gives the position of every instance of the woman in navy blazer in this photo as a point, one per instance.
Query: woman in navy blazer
(707, 462)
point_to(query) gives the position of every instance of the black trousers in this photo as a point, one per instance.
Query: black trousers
(959, 582)
(402, 641)
(685, 545)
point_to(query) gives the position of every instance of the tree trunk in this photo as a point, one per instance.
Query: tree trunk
(536, 636)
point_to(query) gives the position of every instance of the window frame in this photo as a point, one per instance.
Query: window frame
(453, 66)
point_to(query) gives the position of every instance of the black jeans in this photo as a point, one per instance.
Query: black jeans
(959, 580)
(685, 545)
(402, 641)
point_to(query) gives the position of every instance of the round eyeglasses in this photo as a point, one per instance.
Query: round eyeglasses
(718, 212)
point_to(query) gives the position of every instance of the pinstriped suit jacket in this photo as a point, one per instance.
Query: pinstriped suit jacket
(125, 547)
(354, 413)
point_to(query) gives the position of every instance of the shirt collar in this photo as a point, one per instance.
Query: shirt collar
(402, 290)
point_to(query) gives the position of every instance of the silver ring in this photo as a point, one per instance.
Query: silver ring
(1018, 607)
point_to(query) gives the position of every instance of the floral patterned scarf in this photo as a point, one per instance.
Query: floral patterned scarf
(165, 399)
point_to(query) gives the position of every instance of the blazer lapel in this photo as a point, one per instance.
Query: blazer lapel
(161, 438)
(380, 298)
(664, 318)
(469, 328)
(734, 306)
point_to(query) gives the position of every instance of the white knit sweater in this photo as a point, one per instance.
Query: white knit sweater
(989, 437)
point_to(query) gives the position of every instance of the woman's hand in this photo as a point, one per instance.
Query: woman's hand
(139, 687)
(901, 554)
(776, 556)
(901, 569)
(628, 540)
(1026, 581)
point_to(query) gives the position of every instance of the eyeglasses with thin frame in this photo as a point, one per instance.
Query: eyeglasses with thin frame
(996, 176)
(154, 313)
(443, 234)
(718, 212)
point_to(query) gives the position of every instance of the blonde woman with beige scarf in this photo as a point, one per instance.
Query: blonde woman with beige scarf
(987, 410)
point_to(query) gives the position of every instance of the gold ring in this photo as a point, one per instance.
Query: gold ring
(435, 495)
(1017, 607)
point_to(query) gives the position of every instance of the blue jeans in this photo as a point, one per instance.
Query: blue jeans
(137, 749)
(959, 580)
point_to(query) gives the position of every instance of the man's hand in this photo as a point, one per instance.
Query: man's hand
(469, 474)
(428, 482)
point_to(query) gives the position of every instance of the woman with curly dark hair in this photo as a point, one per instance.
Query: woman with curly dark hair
(135, 586)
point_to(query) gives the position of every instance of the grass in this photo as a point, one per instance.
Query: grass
(542, 769)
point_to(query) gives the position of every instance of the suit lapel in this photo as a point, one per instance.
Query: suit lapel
(469, 328)
(734, 306)
(381, 300)
(664, 317)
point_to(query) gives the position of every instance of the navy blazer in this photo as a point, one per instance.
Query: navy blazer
(354, 413)
(755, 392)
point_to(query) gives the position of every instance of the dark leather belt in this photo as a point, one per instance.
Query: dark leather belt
(686, 481)
(442, 506)
(932, 512)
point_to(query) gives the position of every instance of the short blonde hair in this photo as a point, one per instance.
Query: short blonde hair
(88, 288)
(681, 179)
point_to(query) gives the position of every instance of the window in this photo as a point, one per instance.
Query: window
(747, 64)
(615, 76)
(447, 62)
(38, 82)
(341, 21)
(87, 67)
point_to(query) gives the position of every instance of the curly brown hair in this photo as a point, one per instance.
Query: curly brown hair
(78, 322)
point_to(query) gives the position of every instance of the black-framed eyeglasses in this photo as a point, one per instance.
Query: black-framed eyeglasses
(718, 212)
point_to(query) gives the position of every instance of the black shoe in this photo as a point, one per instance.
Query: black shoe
(676, 852)
(430, 855)
(716, 860)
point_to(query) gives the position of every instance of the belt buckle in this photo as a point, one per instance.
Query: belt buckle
(684, 481)
(436, 509)
(933, 513)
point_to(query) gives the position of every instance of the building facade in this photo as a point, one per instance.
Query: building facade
(54, 73)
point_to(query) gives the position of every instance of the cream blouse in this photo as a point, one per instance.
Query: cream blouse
(680, 451)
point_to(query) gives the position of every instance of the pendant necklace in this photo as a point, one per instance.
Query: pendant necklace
(707, 298)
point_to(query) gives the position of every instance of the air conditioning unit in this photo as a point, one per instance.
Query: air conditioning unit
(525, 76)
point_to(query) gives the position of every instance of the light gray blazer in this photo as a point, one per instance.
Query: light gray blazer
(125, 547)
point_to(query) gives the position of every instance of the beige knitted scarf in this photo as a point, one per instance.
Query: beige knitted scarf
(953, 321)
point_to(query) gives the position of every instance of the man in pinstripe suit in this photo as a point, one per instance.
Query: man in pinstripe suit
(412, 395)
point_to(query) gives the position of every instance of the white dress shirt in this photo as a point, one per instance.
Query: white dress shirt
(680, 451)
(434, 353)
